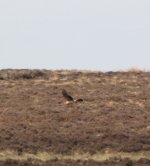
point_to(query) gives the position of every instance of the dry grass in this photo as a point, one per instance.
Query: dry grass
(136, 69)
(99, 156)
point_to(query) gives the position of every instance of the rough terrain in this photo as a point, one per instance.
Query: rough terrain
(110, 127)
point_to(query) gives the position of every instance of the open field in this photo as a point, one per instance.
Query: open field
(111, 126)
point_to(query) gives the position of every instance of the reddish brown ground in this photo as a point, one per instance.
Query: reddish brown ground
(115, 113)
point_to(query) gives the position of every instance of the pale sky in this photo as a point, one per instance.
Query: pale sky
(75, 34)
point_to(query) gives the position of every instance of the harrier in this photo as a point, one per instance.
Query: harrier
(69, 98)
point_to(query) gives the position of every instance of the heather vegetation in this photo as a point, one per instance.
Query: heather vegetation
(110, 127)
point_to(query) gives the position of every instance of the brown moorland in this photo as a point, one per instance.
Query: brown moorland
(110, 127)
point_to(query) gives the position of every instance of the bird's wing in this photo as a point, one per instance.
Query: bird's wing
(66, 95)
(79, 100)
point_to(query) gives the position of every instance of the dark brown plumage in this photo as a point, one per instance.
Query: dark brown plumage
(79, 100)
(67, 96)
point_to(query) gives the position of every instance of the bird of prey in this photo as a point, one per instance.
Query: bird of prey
(69, 98)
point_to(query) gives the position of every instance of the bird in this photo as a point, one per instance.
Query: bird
(69, 98)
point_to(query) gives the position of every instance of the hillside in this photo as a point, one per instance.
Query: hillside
(110, 127)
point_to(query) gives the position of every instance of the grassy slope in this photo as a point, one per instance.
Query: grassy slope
(114, 116)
